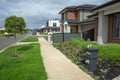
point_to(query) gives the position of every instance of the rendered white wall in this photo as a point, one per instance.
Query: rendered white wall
(67, 29)
(102, 28)
(84, 14)
(50, 23)
(112, 10)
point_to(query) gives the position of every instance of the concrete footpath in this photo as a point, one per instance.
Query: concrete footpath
(57, 66)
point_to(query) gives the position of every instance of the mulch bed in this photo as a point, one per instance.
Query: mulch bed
(107, 70)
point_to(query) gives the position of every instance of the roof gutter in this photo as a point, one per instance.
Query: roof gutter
(105, 5)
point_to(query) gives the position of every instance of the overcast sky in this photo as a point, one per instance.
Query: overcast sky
(37, 12)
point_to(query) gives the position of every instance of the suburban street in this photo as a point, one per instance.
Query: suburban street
(6, 41)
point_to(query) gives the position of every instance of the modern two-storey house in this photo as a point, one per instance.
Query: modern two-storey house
(52, 25)
(74, 18)
(107, 22)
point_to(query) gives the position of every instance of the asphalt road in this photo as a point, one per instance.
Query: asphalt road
(5, 41)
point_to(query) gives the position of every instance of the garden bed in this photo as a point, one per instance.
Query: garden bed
(108, 61)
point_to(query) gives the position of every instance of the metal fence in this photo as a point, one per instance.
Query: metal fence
(60, 37)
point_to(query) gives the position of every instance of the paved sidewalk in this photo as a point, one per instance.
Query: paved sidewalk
(57, 66)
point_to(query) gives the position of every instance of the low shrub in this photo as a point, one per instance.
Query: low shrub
(106, 51)
(108, 60)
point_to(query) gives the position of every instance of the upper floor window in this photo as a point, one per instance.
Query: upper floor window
(64, 16)
(54, 24)
(116, 27)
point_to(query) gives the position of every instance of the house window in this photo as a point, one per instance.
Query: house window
(116, 27)
(64, 17)
(54, 24)
(66, 27)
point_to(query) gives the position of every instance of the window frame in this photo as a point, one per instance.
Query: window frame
(54, 24)
(116, 24)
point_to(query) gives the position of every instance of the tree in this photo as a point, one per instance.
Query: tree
(14, 24)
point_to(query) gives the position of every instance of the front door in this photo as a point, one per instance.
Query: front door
(74, 29)
(89, 35)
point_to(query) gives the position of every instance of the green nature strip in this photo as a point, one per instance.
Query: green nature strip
(1, 34)
(28, 66)
(30, 39)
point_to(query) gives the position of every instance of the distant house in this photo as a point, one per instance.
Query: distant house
(107, 22)
(2, 29)
(74, 19)
(52, 25)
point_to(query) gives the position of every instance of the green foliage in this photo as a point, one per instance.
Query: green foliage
(46, 37)
(14, 24)
(1, 32)
(80, 42)
(28, 66)
(41, 33)
(106, 51)
(70, 50)
(30, 39)
(109, 52)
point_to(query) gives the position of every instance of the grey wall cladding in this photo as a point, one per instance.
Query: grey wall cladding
(57, 37)
(60, 37)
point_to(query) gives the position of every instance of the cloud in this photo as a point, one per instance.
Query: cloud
(37, 12)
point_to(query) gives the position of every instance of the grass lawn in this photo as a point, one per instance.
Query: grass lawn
(30, 39)
(28, 66)
(46, 37)
(43, 33)
(1, 34)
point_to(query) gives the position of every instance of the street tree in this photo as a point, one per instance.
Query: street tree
(14, 24)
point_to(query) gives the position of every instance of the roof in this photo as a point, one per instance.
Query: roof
(88, 20)
(71, 7)
(92, 15)
(68, 8)
(78, 22)
(85, 6)
(53, 19)
(73, 21)
(106, 4)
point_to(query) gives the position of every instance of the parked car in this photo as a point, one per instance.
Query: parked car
(50, 33)
(9, 34)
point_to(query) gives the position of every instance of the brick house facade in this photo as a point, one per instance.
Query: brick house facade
(72, 16)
